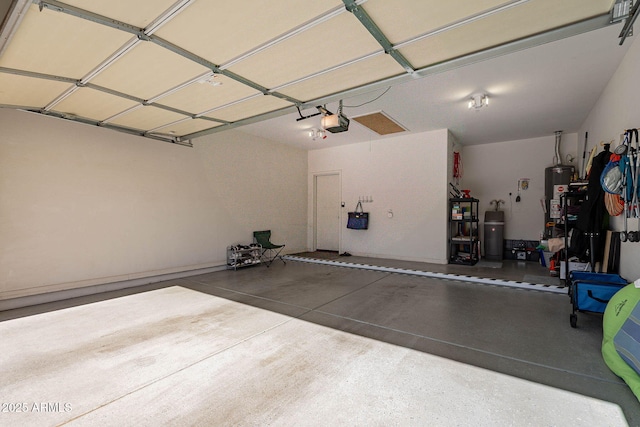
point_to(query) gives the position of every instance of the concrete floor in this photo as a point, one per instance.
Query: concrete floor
(307, 344)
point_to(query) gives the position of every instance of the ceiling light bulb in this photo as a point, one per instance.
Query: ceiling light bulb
(329, 121)
(317, 133)
(478, 101)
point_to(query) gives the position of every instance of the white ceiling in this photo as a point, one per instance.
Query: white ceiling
(533, 93)
(175, 70)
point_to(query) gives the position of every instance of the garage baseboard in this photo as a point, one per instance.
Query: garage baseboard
(43, 298)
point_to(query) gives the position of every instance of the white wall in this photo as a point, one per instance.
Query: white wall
(257, 184)
(82, 206)
(617, 110)
(407, 174)
(492, 171)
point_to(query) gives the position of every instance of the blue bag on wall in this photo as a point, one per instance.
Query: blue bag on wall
(358, 220)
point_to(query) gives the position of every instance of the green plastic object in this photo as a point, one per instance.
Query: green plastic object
(618, 310)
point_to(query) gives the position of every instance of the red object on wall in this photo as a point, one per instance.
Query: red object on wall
(457, 167)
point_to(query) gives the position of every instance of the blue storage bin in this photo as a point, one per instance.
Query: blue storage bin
(604, 278)
(592, 291)
(594, 297)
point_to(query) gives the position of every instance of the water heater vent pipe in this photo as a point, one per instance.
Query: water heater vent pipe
(558, 158)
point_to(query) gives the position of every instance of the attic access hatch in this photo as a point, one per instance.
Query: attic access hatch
(380, 123)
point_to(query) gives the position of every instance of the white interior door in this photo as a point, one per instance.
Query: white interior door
(328, 212)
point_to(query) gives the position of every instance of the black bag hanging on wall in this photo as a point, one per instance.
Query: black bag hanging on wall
(358, 220)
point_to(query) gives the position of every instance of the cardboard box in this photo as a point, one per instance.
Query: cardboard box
(456, 212)
(573, 266)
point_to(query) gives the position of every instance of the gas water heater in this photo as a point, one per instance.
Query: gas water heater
(556, 182)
